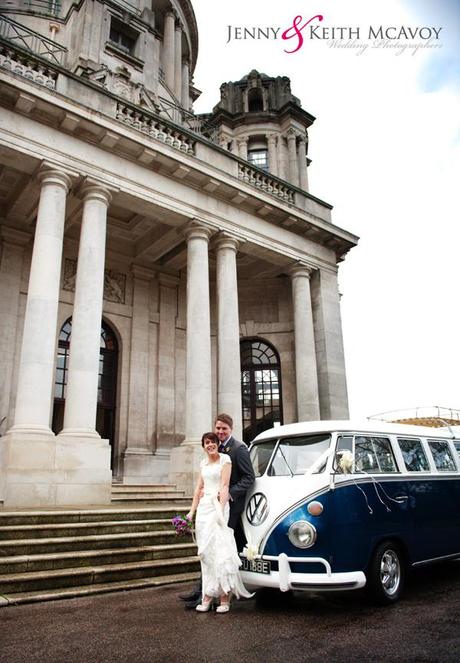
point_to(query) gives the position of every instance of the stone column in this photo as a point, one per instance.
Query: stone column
(36, 369)
(272, 155)
(169, 49)
(293, 160)
(330, 355)
(305, 354)
(282, 169)
(186, 84)
(178, 61)
(228, 331)
(11, 263)
(303, 175)
(185, 459)
(243, 148)
(198, 414)
(138, 455)
(82, 384)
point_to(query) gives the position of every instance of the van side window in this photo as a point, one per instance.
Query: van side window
(374, 454)
(442, 456)
(457, 446)
(413, 455)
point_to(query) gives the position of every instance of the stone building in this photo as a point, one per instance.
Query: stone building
(156, 266)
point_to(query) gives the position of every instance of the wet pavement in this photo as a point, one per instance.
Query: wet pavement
(151, 626)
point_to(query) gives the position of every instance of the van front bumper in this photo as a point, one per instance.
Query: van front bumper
(286, 578)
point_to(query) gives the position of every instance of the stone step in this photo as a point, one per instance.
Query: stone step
(54, 530)
(79, 576)
(148, 488)
(147, 495)
(62, 560)
(118, 513)
(92, 542)
(99, 588)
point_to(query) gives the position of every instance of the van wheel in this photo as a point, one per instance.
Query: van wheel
(386, 573)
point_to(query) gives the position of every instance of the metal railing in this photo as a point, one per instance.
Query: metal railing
(434, 412)
(31, 41)
(47, 7)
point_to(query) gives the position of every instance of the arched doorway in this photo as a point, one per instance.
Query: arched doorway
(260, 387)
(107, 384)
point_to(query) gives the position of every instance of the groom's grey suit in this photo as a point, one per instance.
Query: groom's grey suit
(241, 479)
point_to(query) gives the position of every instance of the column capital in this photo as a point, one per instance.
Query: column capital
(196, 230)
(143, 273)
(271, 139)
(224, 240)
(301, 269)
(94, 190)
(49, 173)
(243, 141)
(292, 134)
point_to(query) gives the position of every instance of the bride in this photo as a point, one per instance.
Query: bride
(219, 558)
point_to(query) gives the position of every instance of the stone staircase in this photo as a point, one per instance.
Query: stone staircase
(46, 555)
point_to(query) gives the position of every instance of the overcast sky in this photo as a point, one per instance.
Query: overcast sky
(385, 151)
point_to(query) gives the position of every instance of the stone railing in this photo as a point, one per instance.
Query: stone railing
(45, 7)
(186, 119)
(28, 67)
(31, 41)
(154, 127)
(266, 183)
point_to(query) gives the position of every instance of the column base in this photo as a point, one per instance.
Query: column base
(184, 466)
(49, 471)
(142, 466)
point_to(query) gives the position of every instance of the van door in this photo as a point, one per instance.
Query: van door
(370, 501)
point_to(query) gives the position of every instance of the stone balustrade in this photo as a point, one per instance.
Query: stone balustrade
(266, 183)
(28, 67)
(155, 128)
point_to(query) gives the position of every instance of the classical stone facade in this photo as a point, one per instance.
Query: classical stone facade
(156, 266)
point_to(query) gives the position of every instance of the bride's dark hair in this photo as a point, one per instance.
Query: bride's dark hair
(209, 436)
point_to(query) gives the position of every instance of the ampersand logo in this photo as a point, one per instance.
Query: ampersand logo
(295, 31)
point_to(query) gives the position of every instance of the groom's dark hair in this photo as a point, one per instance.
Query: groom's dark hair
(226, 418)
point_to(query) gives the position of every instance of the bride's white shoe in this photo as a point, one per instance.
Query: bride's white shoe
(204, 607)
(223, 607)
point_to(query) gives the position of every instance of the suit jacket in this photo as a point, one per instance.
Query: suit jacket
(242, 476)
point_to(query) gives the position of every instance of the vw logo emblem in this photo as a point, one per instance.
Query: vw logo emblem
(257, 509)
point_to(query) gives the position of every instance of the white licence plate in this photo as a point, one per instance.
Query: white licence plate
(256, 565)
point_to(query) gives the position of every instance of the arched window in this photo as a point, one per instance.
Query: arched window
(255, 100)
(260, 387)
(107, 383)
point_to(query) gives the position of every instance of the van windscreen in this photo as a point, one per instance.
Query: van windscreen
(299, 455)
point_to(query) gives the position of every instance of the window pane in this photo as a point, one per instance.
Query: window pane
(413, 455)
(299, 455)
(260, 456)
(374, 454)
(442, 456)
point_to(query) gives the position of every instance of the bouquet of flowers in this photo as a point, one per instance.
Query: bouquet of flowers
(182, 525)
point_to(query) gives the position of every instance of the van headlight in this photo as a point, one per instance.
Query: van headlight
(302, 534)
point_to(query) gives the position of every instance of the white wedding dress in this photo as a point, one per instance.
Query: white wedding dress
(219, 557)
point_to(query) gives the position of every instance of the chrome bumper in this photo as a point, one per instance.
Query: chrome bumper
(286, 579)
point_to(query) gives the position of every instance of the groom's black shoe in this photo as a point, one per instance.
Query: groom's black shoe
(191, 605)
(191, 596)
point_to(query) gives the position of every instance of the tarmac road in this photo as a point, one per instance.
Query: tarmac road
(151, 626)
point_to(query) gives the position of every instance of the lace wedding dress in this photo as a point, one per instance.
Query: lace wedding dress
(220, 561)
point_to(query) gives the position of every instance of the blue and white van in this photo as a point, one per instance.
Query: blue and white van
(337, 505)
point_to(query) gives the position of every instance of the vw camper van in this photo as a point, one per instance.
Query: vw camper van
(338, 505)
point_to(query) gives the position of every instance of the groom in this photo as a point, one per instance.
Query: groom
(241, 479)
